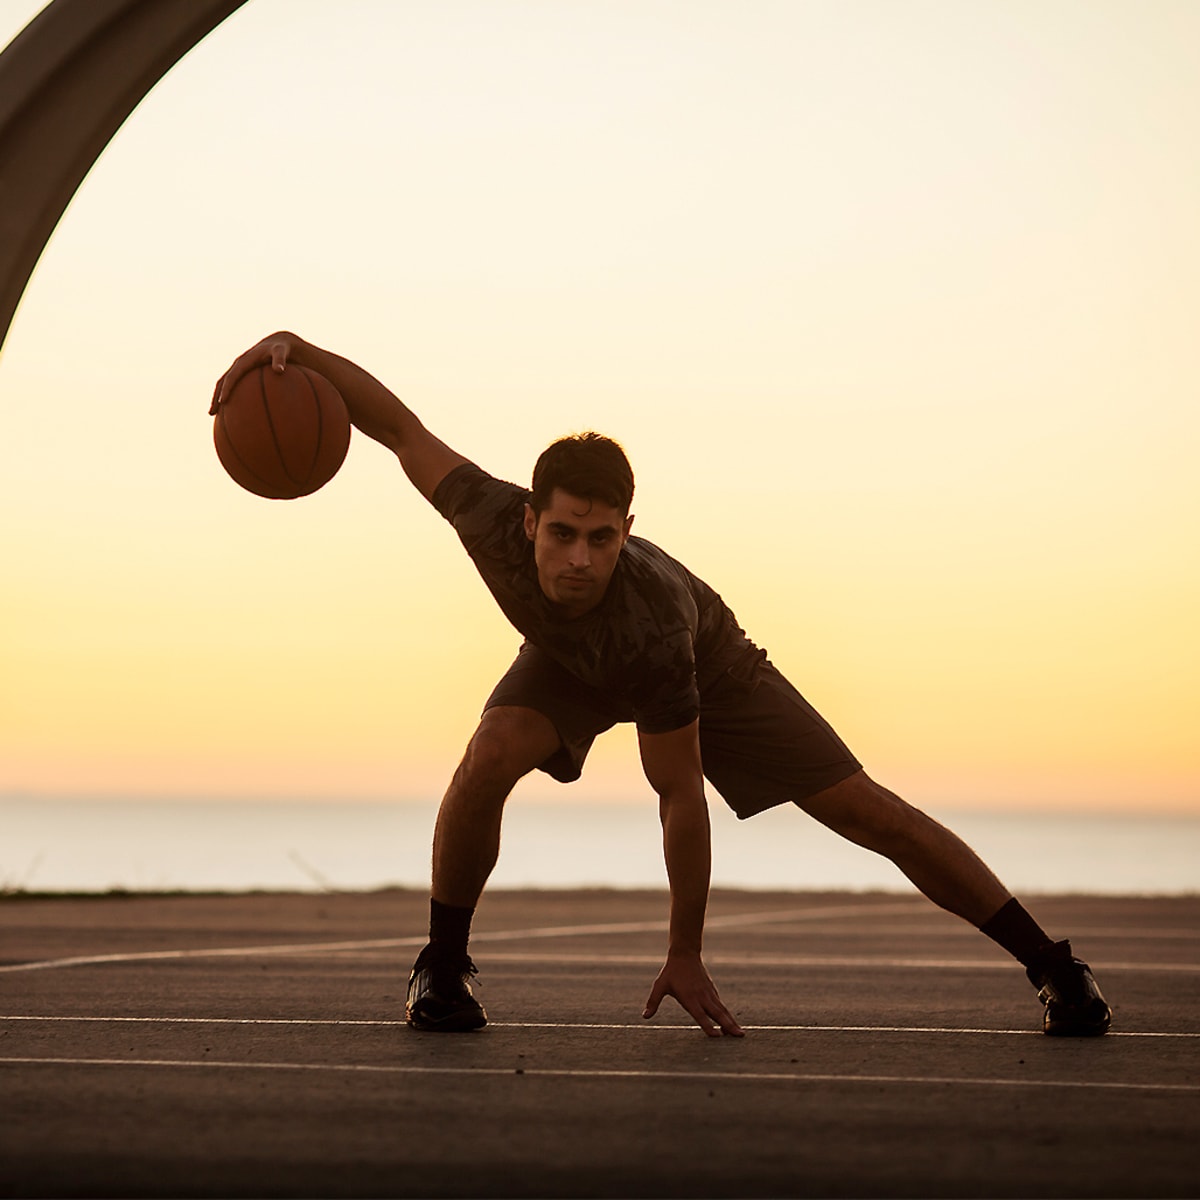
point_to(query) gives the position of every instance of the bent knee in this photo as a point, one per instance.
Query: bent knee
(509, 743)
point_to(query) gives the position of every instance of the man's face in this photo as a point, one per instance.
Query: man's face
(576, 544)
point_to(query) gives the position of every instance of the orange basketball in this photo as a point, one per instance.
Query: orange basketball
(282, 435)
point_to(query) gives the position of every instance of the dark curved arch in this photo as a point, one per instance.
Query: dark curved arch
(67, 82)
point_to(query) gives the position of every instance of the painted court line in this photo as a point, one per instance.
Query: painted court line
(1140, 935)
(87, 960)
(576, 1073)
(732, 921)
(505, 935)
(1078, 933)
(646, 1025)
(716, 958)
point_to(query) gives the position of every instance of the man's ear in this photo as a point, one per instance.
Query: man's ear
(628, 527)
(530, 522)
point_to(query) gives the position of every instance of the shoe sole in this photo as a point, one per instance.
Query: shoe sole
(454, 1023)
(1071, 1029)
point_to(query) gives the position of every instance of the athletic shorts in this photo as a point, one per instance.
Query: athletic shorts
(761, 743)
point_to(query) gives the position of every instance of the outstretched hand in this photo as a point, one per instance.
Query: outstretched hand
(274, 350)
(684, 977)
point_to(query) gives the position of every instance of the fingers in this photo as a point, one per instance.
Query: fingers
(716, 1011)
(225, 385)
(701, 1018)
(657, 992)
(702, 1004)
(728, 1023)
(274, 350)
(279, 355)
(715, 1019)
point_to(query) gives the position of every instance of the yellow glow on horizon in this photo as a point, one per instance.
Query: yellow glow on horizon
(892, 307)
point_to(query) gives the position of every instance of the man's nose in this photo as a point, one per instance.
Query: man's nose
(581, 553)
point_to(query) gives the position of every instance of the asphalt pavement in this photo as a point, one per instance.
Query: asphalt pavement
(254, 1045)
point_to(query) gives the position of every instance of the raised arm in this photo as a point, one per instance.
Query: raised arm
(672, 765)
(373, 409)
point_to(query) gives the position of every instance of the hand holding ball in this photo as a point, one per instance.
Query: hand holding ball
(282, 434)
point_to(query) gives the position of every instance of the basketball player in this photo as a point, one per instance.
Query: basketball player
(616, 630)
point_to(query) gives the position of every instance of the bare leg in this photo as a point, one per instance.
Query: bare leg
(508, 744)
(937, 861)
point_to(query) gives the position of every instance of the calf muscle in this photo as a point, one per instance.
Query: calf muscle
(938, 862)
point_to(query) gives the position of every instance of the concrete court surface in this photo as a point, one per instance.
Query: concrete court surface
(254, 1045)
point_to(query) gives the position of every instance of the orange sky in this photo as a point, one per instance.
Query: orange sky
(892, 306)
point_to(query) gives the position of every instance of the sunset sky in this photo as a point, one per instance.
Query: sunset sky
(893, 304)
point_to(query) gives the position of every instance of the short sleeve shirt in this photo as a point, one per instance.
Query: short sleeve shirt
(648, 643)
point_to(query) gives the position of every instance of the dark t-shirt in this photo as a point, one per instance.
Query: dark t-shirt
(653, 643)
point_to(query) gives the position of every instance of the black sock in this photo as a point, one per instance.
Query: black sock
(1017, 932)
(449, 926)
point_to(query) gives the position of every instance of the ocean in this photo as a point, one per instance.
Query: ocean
(96, 845)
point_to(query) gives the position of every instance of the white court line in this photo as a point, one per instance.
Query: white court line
(716, 958)
(733, 921)
(646, 1025)
(608, 1073)
(85, 960)
(1168, 935)
(1078, 934)
(503, 935)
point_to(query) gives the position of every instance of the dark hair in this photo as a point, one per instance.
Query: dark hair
(584, 464)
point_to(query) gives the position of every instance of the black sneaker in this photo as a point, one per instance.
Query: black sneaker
(1074, 1005)
(439, 994)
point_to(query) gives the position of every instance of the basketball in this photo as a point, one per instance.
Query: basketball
(282, 435)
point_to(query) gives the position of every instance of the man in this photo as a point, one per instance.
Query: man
(616, 630)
